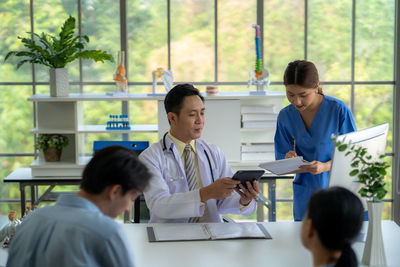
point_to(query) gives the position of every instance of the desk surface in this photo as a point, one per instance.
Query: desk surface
(25, 175)
(284, 249)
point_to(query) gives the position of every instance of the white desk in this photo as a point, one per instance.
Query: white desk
(283, 250)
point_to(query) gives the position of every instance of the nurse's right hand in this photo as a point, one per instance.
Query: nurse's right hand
(220, 189)
(291, 154)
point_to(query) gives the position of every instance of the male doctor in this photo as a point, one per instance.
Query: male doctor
(191, 178)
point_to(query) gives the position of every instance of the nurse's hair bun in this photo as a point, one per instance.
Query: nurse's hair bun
(302, 73)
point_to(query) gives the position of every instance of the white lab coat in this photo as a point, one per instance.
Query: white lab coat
(167, 195)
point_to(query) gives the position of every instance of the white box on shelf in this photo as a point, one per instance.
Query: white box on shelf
(259, 156)
(258, 148)
(258, 116)
(259, 124)
(268, 109)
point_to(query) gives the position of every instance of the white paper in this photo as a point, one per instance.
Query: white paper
(182, 231)
(284, 166)
(234, 230)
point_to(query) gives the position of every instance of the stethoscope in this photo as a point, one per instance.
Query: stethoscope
(205, 152)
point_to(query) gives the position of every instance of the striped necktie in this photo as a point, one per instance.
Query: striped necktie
(190, 168)
(190, 174)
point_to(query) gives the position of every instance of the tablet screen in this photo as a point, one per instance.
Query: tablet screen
(247, 175)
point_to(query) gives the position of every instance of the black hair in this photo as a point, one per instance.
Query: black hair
(337, 216)
(114, 165)
(173, 101)
(302, 73)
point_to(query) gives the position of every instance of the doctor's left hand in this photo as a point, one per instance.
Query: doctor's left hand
(249, 193)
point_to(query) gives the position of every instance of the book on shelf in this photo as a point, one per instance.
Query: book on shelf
(258, 124)
(258, 117)
(264, 156)
(206, 231)
(258, 148)
(258, 109)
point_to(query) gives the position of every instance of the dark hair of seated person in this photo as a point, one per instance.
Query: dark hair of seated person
(114, 165)
(337, 216)
(173, 101)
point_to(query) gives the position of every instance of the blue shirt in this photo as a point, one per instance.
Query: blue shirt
(73, 232)
(332, 117)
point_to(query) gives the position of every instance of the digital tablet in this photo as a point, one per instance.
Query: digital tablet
(247, 175)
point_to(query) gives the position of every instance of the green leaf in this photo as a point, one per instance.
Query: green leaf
(342, 147)
(355, 163)
(362, 192)
(353, 172)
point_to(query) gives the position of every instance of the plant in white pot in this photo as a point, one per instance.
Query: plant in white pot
(370, 173)
(56, 52)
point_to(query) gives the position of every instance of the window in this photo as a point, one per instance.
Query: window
(205, 42)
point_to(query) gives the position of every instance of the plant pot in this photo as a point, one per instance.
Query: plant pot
(52, 154)
(374, 251)
(59, 85)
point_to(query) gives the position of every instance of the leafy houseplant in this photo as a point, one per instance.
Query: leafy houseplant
(370, 173)
(57, 52)
(51, 145)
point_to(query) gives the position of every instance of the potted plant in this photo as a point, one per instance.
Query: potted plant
(370, 173)
(56, 53)
(51, 145)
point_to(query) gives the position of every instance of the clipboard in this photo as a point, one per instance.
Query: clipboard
(284, 166)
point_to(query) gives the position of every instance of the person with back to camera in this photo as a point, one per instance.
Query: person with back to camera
(333, 220)
(79, 230)
(191, 178)
(305, 127)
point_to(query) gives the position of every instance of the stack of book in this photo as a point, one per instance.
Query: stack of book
(258, 116)
(258, 152)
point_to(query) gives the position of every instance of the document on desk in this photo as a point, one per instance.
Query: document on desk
(206, 231)
(284, 166)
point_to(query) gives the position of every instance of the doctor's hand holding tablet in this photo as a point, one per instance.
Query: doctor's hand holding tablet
(224, 187)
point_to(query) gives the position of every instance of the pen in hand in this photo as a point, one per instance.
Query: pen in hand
(292, 153)
(294, 144)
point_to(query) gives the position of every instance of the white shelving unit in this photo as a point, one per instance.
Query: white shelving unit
(64, 115)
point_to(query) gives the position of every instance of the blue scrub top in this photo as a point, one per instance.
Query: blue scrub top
(332, 117)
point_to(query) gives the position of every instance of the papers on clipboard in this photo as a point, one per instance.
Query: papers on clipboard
(284, 166)
(206, 231)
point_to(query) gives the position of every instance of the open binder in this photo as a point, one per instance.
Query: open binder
(206, 231)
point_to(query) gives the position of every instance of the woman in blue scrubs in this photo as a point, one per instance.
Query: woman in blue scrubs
(305, 128)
